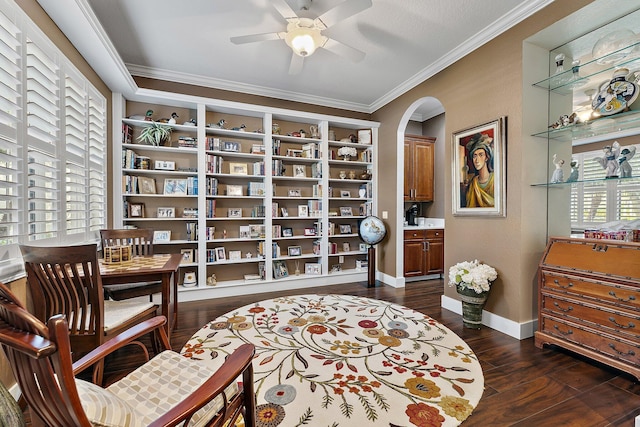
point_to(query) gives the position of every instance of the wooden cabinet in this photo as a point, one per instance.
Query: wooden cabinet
(589, 300)
(418, 170)
(423, 252)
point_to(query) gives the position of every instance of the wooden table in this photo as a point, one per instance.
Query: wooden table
(153, 268)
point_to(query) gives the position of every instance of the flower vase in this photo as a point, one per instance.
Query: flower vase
(472, 306)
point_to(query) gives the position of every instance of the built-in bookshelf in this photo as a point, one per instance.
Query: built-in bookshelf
(256, 199)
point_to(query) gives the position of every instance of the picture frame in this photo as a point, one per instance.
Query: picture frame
(136, 210)
(345, 193)
(299, 171)
(346, 247)
(230, 146)
(221, 254)
(362, 247)
(287, 232)
(238, 169)
(146, 185)
(234, 213)
(346, 211)
(280, 269)
(235, 255)
(312, 268)
(303, 211)
(164, 165)
(257, 231)
(165, 212)
(294, 192)
(234, 190)
(364, 136)
(175, 187)
(470, 196)
(244, 232)
(345, 229)
(309, 231)
(284, 212)
(187, 256)
(294, 250)
(161, 236)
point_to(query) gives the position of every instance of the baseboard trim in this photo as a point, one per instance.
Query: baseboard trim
(517, 330)
(394, 282)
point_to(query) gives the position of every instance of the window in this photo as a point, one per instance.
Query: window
(595, 200)
(52, 145)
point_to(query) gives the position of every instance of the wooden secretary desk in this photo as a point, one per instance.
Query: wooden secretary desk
(589, 300)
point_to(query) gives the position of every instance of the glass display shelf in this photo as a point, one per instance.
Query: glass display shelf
(609, 127)
(564, 83)
(627, 180)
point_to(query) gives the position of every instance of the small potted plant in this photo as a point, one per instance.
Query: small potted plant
(472, 280)
(155, 134)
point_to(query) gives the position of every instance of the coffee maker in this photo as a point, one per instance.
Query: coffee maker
(412, 215)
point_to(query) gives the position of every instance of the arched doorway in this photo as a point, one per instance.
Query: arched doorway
(425, 116)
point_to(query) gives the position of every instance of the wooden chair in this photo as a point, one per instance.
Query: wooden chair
(40, 357)
(66, 280)
(141, 242)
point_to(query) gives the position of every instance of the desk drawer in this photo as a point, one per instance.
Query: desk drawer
(602, 292)
(415, 234)
(615, 348)
(617, 322)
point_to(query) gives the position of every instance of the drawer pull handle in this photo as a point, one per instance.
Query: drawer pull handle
(566, 310)
(569, 285)
(569, 331)
(622, 353)
(630, 326)
(631, 297)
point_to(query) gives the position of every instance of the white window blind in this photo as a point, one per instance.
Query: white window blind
(52, 144)
(595, 201)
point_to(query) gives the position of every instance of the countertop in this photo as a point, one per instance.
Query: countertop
(428, 223)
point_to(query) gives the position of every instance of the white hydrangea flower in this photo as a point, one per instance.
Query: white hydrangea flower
(472, 275)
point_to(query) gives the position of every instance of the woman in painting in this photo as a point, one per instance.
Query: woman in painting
(480, 192)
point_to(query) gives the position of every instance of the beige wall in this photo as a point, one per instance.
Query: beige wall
(481, 87)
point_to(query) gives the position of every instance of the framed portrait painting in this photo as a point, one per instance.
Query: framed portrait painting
(479, 170)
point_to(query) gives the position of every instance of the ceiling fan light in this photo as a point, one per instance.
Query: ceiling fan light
(303, 41)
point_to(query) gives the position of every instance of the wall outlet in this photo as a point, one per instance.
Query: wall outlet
(385, 214)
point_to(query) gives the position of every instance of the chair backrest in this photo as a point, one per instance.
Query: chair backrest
(140, 239)
(40, 358)
(66, 280)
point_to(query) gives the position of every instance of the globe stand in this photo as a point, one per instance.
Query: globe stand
(371, 278)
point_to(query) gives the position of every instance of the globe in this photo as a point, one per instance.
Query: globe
(372, 230)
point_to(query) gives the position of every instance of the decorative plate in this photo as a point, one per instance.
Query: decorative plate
(615, 97)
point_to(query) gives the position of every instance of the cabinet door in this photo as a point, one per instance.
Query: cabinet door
(435, 257)
(414, 258)
(408, 170)
(423, 171)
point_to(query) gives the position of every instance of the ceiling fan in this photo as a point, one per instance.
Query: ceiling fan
(304, 35)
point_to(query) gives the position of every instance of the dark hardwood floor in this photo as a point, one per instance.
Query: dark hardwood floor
(524, 386)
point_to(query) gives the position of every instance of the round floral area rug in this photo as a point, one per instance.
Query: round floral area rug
(340, 360)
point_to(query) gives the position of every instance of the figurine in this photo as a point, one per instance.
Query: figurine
(314, 131)
(575, 172)
(625, 155)
(303, 134)
(211, 280)
(558, 174)
(172, 120)
(219, 125)
(147, 116)
(191, 122)
(241, 128)
(610, 160)
(249, 255)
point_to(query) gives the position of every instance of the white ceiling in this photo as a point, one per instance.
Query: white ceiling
(405, 41)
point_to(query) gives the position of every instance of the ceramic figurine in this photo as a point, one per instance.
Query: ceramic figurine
(219, 125)
(314, 131)
(147, 116)
(558, 173)
(610, 160)
(191, 122)
(575, 172)
(172, 120)
(625, 155)
(241, 128)
(211, 280)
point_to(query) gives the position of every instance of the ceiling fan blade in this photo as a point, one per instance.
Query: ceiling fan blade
(344, 51)
(284, 9)
(296, 64)
(252, 38)
(343, 11)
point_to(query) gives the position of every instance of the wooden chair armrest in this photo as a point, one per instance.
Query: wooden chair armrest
(236, 364)
(155, 324)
